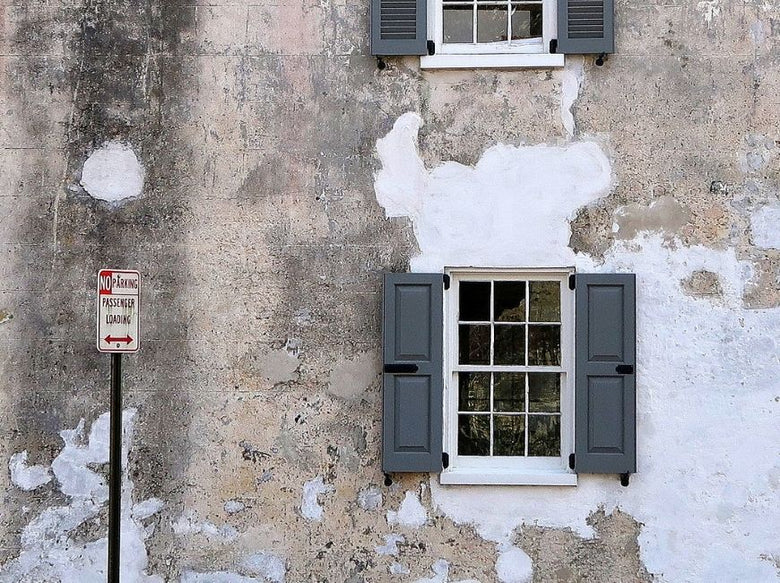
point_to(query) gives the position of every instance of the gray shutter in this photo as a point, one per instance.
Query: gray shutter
(586, 26)
(399, 27)
(605, 379)
(412, 377)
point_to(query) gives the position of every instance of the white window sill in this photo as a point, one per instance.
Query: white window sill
(502, 61)
(474, 477)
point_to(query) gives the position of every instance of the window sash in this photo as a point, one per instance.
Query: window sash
(532, 45)
(565, 369)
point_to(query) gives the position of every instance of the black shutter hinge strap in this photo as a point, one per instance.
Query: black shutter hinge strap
(553, 45)
(571, 461)
(572, 281)
(445, 460)
(431, 46)
(446, 281)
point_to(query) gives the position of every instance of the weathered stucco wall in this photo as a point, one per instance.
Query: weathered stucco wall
(259, 170)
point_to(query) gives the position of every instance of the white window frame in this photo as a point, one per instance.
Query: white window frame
(509, 470)
(515, 54)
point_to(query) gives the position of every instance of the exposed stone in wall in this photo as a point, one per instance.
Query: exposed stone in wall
(562, 556)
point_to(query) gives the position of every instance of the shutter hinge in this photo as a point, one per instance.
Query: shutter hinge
(571, 461)
(445, 460)
(431, 47)
(572, 281)
(446, 281)
(553, 45)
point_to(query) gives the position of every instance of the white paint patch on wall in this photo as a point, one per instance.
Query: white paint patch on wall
(710, 9)
(508, 207)
(310, 506)
(269, 566)
(708, 476)
(573, 73)
(765, 227)
(514, 566)
(27, 477)
(189, 523)
(113, 173)
(49, 552)
(391, 545)
(410, 513)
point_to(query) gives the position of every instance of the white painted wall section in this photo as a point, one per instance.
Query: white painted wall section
(113, 173)
(708, 392)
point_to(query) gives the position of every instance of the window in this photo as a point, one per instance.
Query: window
(485, 33)
(508, 346)
(509, 377)
(450, 34)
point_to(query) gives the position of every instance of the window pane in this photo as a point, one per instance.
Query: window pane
(526, 21)
(474, 301)
(544, 392)
(509, 302)
(474, 391)
(544, 435)
(510, 345)
(509, 438)
(509, 391)
(491, 24)
(545, 300)
(473, 435)
(544, 345)
(458, 26)
(474, 344)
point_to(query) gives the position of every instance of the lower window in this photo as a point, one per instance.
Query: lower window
(508, 355)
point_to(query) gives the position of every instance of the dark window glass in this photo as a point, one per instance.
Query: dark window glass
(509, 391)
(474, 344)
(509, 436)
(474, 301)
(544, 345)
(544, 435)
(544, 392)
(473, 435)
(509, 301)
(474, 391)
(510, 345)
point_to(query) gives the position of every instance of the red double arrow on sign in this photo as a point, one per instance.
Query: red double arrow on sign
(125, 339)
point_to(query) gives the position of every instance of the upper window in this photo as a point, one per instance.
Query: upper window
(508, 396)
(501, 33)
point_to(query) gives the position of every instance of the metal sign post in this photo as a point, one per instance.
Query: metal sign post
(117, 332)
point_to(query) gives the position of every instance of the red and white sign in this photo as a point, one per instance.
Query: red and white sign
(118, 310)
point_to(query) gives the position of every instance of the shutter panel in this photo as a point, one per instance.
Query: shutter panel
(412, 373)
(605, 380)
(399, 27)
(586, 26)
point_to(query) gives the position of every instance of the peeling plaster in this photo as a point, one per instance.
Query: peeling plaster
(391, 545)
(710, 9)
(514, 566)
(113, 173)
(26, 477)
(664, 215)
(267, 565)
(49, 550)
(189, 523)
(311, 509)
(370, 498)
(573, 73)
(410, 513)
(698, 362)
(5, 317)
(506, 208)
(350, 378)
(765, 227)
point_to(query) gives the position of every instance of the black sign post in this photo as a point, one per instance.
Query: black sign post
(115, 470)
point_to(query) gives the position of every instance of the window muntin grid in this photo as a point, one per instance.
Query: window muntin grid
(497, 22)
(509, 336)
